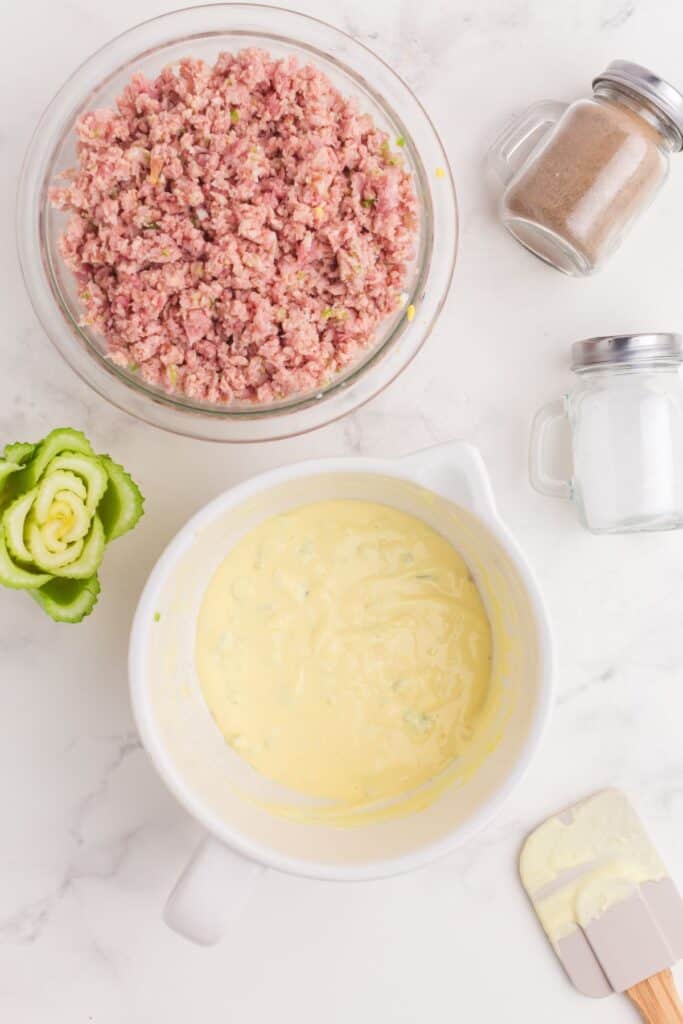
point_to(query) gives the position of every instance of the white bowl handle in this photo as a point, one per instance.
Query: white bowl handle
(456, 471)
(211, 892)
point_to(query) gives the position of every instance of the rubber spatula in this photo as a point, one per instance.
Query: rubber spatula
(607, 903)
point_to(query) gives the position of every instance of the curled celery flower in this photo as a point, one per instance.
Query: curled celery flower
(60, 505)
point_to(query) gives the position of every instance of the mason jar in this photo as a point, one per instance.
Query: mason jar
(625, 417)
(576, 177)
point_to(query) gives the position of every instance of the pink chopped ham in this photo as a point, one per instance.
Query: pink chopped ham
(197, 325)
(238, 232)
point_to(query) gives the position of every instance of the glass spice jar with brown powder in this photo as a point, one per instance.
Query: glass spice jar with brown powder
(577, 176)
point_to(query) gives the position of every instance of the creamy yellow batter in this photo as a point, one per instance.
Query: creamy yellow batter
(344, 651)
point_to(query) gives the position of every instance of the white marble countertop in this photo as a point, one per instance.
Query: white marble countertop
(90, 839)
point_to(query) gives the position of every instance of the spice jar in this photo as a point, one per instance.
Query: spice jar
(626, 422)
(594, 166)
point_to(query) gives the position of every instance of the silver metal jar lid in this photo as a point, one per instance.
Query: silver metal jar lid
(651, 87)
(636, 349)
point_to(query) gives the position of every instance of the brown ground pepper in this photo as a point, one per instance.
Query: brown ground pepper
(600, 166)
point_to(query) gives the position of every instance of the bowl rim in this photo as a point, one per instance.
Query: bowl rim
(362, 381)
(220, 829)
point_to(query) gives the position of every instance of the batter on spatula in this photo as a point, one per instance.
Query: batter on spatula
(607, 903)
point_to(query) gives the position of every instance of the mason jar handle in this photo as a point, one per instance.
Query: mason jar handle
(541, 481)
(520, 137)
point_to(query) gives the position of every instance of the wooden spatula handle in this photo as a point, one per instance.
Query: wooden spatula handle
(657, 999)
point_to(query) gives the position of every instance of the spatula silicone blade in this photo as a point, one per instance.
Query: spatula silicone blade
(607, 903)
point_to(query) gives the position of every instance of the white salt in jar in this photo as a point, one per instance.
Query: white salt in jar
(626, 421)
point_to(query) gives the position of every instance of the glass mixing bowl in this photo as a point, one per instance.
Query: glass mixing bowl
(203, 32)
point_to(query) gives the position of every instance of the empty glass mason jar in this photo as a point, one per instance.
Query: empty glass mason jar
(576, 177)
(626, 422)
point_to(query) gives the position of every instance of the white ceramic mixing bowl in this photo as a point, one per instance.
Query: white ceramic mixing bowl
(448, 488)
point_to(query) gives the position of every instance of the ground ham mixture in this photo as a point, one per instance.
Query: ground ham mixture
(238, 232)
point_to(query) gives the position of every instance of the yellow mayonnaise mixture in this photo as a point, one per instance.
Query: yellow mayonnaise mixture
(580, 863)
(344, 651)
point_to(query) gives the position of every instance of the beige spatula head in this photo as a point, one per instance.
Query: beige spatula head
(606, 902)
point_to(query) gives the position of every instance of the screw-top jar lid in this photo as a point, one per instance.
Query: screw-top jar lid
(651, 87)
(638, 349)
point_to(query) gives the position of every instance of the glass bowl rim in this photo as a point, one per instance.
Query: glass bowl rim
(204, 420)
